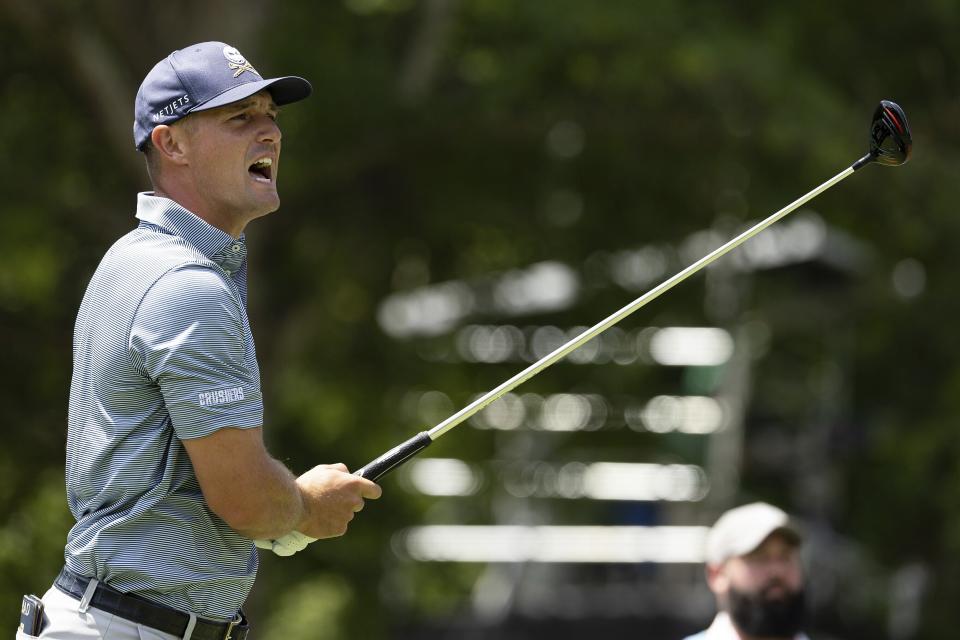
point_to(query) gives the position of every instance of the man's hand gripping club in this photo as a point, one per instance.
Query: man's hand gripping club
(331, 497)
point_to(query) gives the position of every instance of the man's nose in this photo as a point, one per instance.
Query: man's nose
(269, 130)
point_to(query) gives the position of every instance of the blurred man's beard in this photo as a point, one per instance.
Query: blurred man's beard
(756, 615)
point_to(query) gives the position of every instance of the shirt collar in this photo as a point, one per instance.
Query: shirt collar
(170, 217)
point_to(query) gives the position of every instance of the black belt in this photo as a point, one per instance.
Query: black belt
(150, 614)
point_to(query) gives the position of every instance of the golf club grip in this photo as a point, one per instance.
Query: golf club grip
(395, 457)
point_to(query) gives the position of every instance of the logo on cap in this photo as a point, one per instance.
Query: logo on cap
(237, 62)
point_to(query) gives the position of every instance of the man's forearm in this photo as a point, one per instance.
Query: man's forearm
(255, 494)
(272, 506)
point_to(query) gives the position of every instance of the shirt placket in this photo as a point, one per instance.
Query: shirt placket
(232, 259)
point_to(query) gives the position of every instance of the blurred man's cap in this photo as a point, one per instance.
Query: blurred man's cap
(743, 529)
(203, 76)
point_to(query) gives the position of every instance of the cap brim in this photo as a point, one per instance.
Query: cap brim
(284, 91)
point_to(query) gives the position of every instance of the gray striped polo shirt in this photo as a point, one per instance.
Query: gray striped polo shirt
(162, 353)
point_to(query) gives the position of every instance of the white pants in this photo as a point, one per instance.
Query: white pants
(65, 622)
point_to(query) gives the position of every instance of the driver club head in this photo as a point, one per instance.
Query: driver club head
(890, 138)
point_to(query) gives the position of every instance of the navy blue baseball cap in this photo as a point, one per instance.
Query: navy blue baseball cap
(203, 76)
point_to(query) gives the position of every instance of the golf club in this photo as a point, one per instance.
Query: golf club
(890, 145)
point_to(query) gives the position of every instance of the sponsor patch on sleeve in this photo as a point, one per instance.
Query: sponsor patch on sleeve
(220, 396)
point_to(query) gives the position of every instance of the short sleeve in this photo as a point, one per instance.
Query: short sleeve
(190, 335)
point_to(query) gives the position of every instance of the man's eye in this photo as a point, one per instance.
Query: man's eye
(239, 116)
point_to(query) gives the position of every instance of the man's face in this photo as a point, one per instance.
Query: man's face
(763, 591)
(234, 156)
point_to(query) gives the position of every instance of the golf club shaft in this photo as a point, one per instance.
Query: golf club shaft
(411, 447)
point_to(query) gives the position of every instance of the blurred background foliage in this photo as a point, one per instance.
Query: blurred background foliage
(457, 140)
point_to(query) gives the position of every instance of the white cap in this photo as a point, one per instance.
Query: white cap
(742, 529)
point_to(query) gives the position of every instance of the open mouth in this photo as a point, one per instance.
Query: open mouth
(262, 170)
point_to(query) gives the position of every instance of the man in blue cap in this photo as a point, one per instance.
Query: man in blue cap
(167, 474)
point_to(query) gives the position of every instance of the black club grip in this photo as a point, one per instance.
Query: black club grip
(395, 457)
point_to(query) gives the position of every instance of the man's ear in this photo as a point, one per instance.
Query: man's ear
(170, 143)
(717, 579)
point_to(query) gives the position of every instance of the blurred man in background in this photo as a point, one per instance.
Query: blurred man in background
(754, 571)
(167, 474)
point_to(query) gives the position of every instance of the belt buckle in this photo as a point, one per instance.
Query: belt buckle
(230, 625)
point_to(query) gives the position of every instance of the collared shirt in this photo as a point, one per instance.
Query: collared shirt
(162, 353)
(723, 629)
